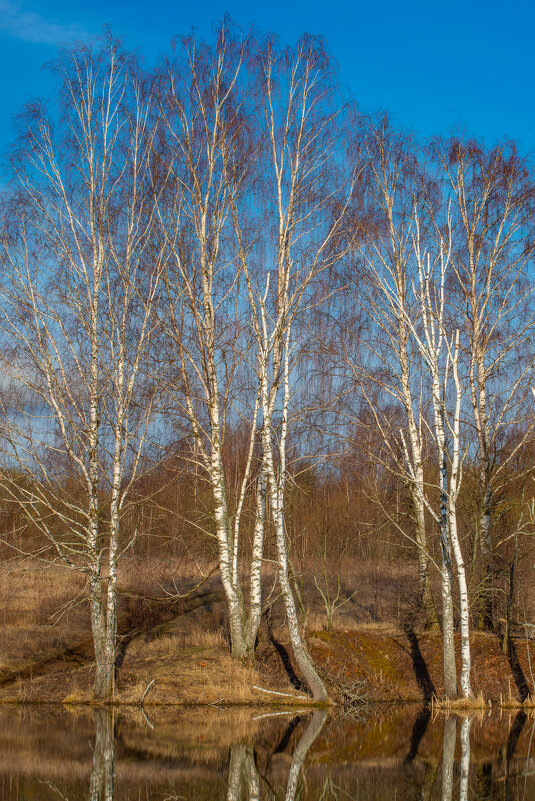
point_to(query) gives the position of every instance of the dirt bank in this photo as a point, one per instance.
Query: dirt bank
(184, 663)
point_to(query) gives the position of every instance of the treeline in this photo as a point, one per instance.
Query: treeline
(242, 320)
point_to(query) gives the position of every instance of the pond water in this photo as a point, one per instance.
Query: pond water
(213, 753)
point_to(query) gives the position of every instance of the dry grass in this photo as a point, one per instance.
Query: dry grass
(189, 656)
(459, 704)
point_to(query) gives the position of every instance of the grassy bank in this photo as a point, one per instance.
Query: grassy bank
(173, 650)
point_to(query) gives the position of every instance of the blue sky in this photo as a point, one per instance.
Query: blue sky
(433, 66)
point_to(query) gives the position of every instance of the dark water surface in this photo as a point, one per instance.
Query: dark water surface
(213, 753)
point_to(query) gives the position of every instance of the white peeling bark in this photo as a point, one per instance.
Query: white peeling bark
(453, 492)
(276, 482)
(432, 346)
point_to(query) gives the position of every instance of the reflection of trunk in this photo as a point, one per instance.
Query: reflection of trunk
(242, 773)
(448, 757)
(510, 747)
(465, 758)
(314, 727)
(102, 781)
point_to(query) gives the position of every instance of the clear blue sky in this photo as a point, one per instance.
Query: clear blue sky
(433, 65)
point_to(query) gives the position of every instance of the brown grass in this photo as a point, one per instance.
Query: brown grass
(475, 703)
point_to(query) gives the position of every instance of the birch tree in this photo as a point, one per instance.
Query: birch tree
(394, 185)
(208, 156)
(82, 275)
(305, 208)
(492, 194)
(440, 353)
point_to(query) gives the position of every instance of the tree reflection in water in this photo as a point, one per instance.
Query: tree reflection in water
(465, 758)
(448, 757)
(241, 760)
(102, 780)
(243, 781)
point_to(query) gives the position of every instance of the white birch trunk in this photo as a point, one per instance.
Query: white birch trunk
(276, 482)
(453, 492)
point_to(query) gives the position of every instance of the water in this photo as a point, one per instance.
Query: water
(243, 755)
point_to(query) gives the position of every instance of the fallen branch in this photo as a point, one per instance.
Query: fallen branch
(147, 688)
(275, 692)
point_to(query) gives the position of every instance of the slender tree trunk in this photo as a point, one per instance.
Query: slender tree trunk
(276, 482)
(255, 597)
(448, 641)
(425, 596)
(453, 492)
(98, 630)
(465, 612)
(486, 617)
(302, 657)
(231, 584)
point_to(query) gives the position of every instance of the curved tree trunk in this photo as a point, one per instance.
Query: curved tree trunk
(302, 657)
